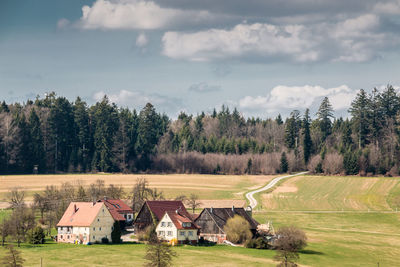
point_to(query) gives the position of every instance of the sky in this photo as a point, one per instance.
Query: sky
(262, 56)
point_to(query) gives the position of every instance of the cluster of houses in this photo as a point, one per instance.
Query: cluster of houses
(87, 222)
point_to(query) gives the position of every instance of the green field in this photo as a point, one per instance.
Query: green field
(349, 221)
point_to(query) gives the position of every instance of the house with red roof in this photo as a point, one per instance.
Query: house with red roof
(85, 222)
(119, 210)
(175, 225)
(153, 211)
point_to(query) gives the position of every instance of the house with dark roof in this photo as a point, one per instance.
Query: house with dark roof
(176, 226)
(85, 222)
(212, 221)
(119, 210)
(153, 211)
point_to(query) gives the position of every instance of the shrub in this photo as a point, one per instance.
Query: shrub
(116, 233)
(36, 236)
(149, 234)
(104, 240)
(237, 230)
(333, 163)
(284, 166)
(258, 243)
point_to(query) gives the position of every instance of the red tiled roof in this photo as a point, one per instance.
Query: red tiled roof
(159, 207)
(116, 207)
(178, 219)
(80, 214)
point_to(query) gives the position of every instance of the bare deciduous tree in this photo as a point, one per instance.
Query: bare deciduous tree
(193, 202)
(16, 198)
(288, 243)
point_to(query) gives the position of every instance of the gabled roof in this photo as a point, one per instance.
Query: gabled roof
(80, 213)
(177, 219)
(116, 207)
(221, 215)
(159, 207)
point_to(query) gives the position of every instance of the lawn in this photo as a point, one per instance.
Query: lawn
(132, 254)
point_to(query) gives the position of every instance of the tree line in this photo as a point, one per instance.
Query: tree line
(55, 135)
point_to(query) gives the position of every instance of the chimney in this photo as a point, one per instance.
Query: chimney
(75, 209)
(105, 198)
(233, 209)
(211, 210)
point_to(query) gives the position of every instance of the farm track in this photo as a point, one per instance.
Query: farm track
(271, 184)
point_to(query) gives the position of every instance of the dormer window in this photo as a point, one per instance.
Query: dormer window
(186, 224)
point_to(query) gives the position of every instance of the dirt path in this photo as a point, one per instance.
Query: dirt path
(250, 195)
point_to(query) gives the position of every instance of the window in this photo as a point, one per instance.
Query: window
(169, 224)
(169, 233)
(190, 233)
(125, 216)
(61, 236)
(99, 228)
(67, 236)
(94, 228)
(129, 216)
(186, 224)
(161, 233)
(94, 237)
(98, 220)
(162, 224)
(182, 233)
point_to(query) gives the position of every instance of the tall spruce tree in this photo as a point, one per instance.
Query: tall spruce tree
(292, 130)
(307, 142)
(324, 116)
(36, 142)
(359, 110)
(105, 117)
(84, 141)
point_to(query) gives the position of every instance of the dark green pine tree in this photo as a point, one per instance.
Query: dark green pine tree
(307, 142)
(116, 233)
(36, 142)
(350, 162)
(84, 143)
(324, 116)
(284, 165)
(124, 141)
(374, 116)
(105, 119)
(61, 122)
(389, 102)
(279, 120)
(148, 134)
(292, 130)
(4, 107)
(24, 158)
(359, 110)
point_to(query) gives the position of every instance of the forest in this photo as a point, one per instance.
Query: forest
(54, 135)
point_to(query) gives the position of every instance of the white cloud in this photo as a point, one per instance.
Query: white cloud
(136, 14)
(204, 88)
(244, 39)
(298, 97)
(389, 7)
(356, 39)
(62, 23)
(138, 99)
(141, 40)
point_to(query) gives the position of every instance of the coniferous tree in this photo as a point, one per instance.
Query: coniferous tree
(284, 165)
(360, 117)
(105, 118)
(84, 144)
(324, 116)
(307, 142)
(36, 142)
(148, 134)
(292, 130)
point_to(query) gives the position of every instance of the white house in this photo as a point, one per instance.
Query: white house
(174, 225)
(85, 222)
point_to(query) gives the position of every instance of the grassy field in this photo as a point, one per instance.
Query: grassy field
(206, 186)
(349, 221)
(351, 193)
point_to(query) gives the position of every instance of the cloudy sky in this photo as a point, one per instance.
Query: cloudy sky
(262, 56)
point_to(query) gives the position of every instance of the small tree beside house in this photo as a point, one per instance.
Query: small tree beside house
(116, 233)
